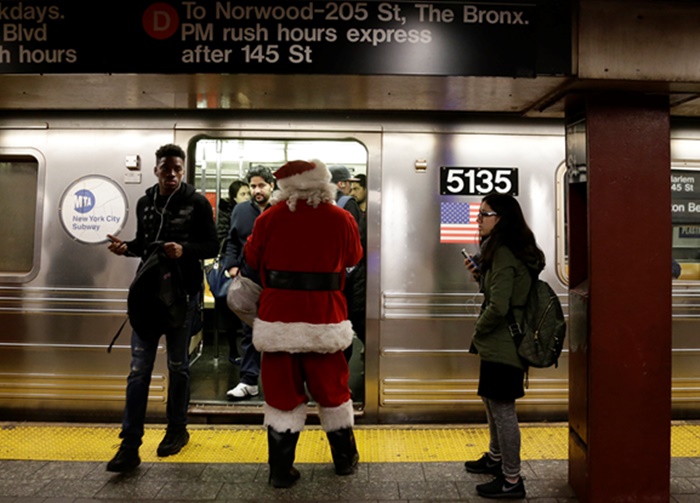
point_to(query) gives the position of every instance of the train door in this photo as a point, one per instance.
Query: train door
(429, 303)
(221, 169)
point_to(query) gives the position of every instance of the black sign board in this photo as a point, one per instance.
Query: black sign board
(513, 38)
(456, 181)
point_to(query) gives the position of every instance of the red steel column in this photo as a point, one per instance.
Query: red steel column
(620, 324)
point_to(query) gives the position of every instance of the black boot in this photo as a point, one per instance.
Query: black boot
(344, 451)
(125, 460)
(280, 449)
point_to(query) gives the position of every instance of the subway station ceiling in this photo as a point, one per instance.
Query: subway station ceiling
(275, 92)
(536, 97)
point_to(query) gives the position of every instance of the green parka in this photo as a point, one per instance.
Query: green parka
(506, 283)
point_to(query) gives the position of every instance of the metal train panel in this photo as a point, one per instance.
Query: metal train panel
(60, 307)
(57, 324)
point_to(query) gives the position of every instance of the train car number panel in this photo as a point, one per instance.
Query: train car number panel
(471, 181)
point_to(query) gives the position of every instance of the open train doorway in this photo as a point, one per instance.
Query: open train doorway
(221, 172)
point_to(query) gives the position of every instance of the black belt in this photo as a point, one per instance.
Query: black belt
(289, 280)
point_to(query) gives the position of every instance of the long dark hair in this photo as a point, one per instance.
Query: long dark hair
(233, 190)
(511, 231)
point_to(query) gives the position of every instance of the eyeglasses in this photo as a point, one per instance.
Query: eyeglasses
(484, 214)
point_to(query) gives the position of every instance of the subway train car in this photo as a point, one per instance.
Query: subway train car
(70, 178)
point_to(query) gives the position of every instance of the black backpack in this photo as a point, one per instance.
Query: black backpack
(157, 300)
(540, 337)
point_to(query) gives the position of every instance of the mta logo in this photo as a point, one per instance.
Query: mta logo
(84, 201)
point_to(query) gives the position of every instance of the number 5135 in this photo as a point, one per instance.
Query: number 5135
(478, 181)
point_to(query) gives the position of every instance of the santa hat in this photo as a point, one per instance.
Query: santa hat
(302, 175)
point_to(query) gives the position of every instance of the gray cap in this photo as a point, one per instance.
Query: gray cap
(341, 174)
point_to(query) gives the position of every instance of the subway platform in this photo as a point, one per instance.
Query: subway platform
(65, 463)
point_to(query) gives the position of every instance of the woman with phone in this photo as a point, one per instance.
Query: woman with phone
(507, 263)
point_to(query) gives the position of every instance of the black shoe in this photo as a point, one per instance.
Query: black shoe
(484, 465)
(173, 442)
(125, 460)
(500, 488)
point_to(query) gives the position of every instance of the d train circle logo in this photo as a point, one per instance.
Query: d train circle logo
(160, 21)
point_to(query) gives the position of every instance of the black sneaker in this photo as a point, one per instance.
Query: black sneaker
(173, 442)
(500, 488)
(125, 460)
(484, 465)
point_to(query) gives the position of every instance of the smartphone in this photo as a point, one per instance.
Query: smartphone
(470, 258)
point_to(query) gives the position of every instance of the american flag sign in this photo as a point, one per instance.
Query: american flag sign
(458, 223)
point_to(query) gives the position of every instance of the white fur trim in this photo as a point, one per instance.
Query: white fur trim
(301, 337)
(283, 420)
(336, 418)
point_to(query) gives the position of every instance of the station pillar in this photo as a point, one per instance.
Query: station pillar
(619, 227)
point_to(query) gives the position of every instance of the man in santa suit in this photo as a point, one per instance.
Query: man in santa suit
(301, 246)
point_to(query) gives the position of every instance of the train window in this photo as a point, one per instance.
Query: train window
(221, 161)
(19, 177)
(562, 244)
(685, 211)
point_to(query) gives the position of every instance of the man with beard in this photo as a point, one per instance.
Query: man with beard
(302, 247)
(261, 183)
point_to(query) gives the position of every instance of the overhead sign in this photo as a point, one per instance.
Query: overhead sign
(92, 207)
(515, 38)
(457, 181)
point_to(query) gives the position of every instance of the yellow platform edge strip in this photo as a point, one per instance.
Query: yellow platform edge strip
(248, 444)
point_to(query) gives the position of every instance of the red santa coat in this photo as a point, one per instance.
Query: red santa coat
(324, 239)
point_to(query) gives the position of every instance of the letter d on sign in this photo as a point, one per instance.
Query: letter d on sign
(160, 21)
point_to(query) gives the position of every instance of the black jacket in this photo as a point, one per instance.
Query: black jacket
(185, 218)
(242, 221)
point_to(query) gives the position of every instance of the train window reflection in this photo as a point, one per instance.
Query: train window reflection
(18, 202)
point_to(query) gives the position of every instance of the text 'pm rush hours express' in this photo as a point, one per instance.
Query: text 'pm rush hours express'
(478, 181)
(271, 28)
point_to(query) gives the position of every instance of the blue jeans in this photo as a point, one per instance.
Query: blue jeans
(250, 361)
(143, 356)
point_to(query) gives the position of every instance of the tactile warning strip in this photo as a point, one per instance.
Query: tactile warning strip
(248, 444)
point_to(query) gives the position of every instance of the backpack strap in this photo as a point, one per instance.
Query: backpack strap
(343, 201)
(114, 339)
(513, 325)
(514, 328)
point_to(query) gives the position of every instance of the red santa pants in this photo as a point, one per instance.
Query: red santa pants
(284, 374)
